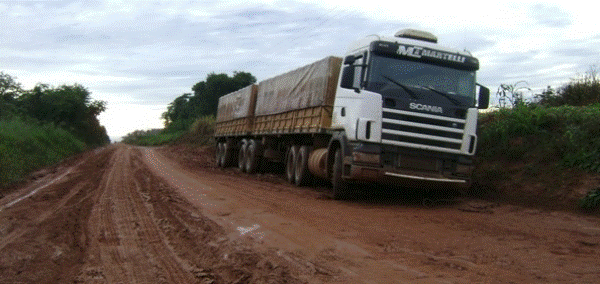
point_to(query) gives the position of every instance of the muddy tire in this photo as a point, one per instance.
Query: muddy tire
(228, 151)
(219, 155)
(290, 164)
(253, 153)
(242, 156)
(340, 190)
(301, 172)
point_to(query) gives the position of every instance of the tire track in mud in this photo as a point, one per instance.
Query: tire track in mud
(105, 218)
(505, 244)
(285, 223)
(44, 236)
(127, 242)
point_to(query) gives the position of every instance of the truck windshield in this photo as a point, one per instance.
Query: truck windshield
(452, 82)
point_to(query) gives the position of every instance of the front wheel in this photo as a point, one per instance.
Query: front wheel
(340, 190)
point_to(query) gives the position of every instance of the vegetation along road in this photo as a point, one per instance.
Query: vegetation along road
(124, 214)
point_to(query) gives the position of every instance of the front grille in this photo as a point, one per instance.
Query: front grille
(422, 131)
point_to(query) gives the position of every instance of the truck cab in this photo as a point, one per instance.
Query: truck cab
(405, 113)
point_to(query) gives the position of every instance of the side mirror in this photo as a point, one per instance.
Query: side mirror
(349, 59)
(484, 97)
(347, 77)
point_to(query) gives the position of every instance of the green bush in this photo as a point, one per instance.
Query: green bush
(572, 134)
(581, 91)
(200, 132)
(204, 126)
(154, 137)
(591, 200)
(26, 145)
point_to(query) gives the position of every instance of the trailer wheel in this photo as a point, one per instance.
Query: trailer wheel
(227, 154)
(302, 175)
(290, 164)
(219, 154)
(242, 156)
(340, 187)
(252, 156)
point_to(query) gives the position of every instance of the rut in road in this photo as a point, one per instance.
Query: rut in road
(125, 240)
(109, 220)
(44, 236)
(411, 241)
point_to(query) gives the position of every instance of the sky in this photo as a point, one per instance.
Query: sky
(138, 56)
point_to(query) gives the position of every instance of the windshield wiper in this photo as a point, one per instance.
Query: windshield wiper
(404, 87)
(445, 95)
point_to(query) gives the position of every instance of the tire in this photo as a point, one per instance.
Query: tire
(301, 172)
(340, 189)
(219, 154)
(290, 164)
(253, 152)
(242, 156)
(228, 150)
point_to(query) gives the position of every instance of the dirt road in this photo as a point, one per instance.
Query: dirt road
(140, 215)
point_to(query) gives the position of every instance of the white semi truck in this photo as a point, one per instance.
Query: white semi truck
(397, 110)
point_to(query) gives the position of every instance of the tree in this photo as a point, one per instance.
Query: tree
(69, 107)
(581, 91)
(513, 94)
(207, 93)
(178, 110)
(186, 108)
(9, 87)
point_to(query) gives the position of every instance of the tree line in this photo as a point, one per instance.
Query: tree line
(187, 108)
(69, 107)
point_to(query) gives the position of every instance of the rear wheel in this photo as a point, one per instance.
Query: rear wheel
(340, 187)
(242, 156)
(290, 164)
(219, 155)
(227, 154)
(301, 172)
(252, 156)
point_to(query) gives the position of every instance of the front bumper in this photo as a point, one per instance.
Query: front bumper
(401, 167)
(425, 180)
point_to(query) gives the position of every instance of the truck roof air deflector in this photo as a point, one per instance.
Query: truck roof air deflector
(416, 34)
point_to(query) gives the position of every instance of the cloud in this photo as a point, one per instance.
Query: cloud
(150, 52)
(550, 16)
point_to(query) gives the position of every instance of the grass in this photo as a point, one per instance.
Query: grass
(26, 145)
(152, 137)
(567, 133)
(539, 145)
(200, 132)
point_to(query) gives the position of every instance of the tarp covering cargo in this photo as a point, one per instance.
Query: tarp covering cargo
(309, 86)
(235, 112)
(239, 104)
